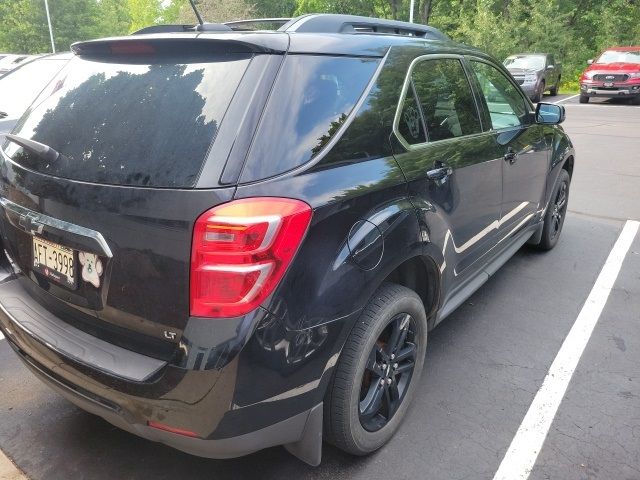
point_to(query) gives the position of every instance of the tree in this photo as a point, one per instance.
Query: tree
(144, 13)
(211, 10)
(24, 24)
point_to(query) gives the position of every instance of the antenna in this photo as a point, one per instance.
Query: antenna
(195, 10)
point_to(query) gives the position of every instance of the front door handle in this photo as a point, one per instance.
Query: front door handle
(440, 174)
(511, 156)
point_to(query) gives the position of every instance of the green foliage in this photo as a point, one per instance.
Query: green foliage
(574, 30)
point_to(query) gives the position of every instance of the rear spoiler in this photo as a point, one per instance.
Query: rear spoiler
(160, 44)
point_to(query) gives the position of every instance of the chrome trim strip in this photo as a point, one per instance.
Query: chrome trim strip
(34, 222)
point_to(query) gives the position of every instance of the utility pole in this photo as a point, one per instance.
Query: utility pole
(411, 8)
(53, 45)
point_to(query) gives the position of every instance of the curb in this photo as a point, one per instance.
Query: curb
(8, 470)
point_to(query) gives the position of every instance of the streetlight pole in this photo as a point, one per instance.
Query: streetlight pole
(411, 10)
(53, 45)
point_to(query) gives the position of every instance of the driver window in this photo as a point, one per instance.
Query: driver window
(507, 107)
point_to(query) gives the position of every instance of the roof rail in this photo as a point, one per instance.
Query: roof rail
(256, 23)
(332, 23)
(205, 27)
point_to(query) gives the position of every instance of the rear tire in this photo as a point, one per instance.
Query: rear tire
(556, 88)
(378, 371)
(556, 212)
(584, 99)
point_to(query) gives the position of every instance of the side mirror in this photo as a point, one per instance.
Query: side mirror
(590, 61)
(550, 114)
(550, 67)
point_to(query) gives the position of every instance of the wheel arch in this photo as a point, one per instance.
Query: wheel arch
(420, 274)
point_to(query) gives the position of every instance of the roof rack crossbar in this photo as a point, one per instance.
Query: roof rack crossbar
(331, 23)
(205, 27)
(241, 25)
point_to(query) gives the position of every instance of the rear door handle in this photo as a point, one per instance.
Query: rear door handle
(511, 156)
(439, 175)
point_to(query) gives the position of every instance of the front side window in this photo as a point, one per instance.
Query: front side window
(507, 107)
(446, 99)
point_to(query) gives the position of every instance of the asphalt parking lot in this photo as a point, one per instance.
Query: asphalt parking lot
(485, 363)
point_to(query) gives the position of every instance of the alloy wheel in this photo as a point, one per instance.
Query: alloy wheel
(388, 373)
(559, 210)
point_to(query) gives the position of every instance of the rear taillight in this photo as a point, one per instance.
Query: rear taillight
(240, 252)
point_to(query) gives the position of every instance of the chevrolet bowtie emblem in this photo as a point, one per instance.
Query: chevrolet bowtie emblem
(30, 224)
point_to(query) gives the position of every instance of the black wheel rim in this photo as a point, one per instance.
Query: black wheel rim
(559, 209)
(388, 373)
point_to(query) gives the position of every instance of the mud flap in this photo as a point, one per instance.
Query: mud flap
(536, 238)
(309, 447)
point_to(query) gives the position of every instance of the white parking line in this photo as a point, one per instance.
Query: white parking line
(526, 445)
(565, 99)
(600, 105)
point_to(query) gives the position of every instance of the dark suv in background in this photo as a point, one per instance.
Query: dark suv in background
(226, 240)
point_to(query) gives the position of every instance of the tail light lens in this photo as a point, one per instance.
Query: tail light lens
(240, 252)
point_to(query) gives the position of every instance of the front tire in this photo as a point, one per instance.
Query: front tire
(556, 88)
(556, 212)
(378, 372)
(539, 93)
(584, 99)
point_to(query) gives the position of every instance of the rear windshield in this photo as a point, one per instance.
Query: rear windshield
(311, 99)
(20, 87)
(148, 124)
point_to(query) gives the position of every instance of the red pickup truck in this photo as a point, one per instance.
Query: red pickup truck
(616, 73)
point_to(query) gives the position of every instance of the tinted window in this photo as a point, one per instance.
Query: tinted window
(311, 99)
(410, 124)
(131, 124)
(20, 87)
(446, 99)
(506, 106)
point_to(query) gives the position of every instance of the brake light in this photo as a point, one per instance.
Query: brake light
(240, 252)
(131, 48)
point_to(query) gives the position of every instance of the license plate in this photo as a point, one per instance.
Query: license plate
(608, 84)
(55, 262)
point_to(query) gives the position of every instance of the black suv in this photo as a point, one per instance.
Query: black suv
(227, 240)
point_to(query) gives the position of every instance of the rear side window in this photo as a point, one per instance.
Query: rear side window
(148, 123)
(311, 99)
(446, 99)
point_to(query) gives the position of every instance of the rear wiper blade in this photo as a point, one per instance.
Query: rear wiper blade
(40, 149)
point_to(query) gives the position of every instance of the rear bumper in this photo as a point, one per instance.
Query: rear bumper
(223, 415)
(288, 432)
